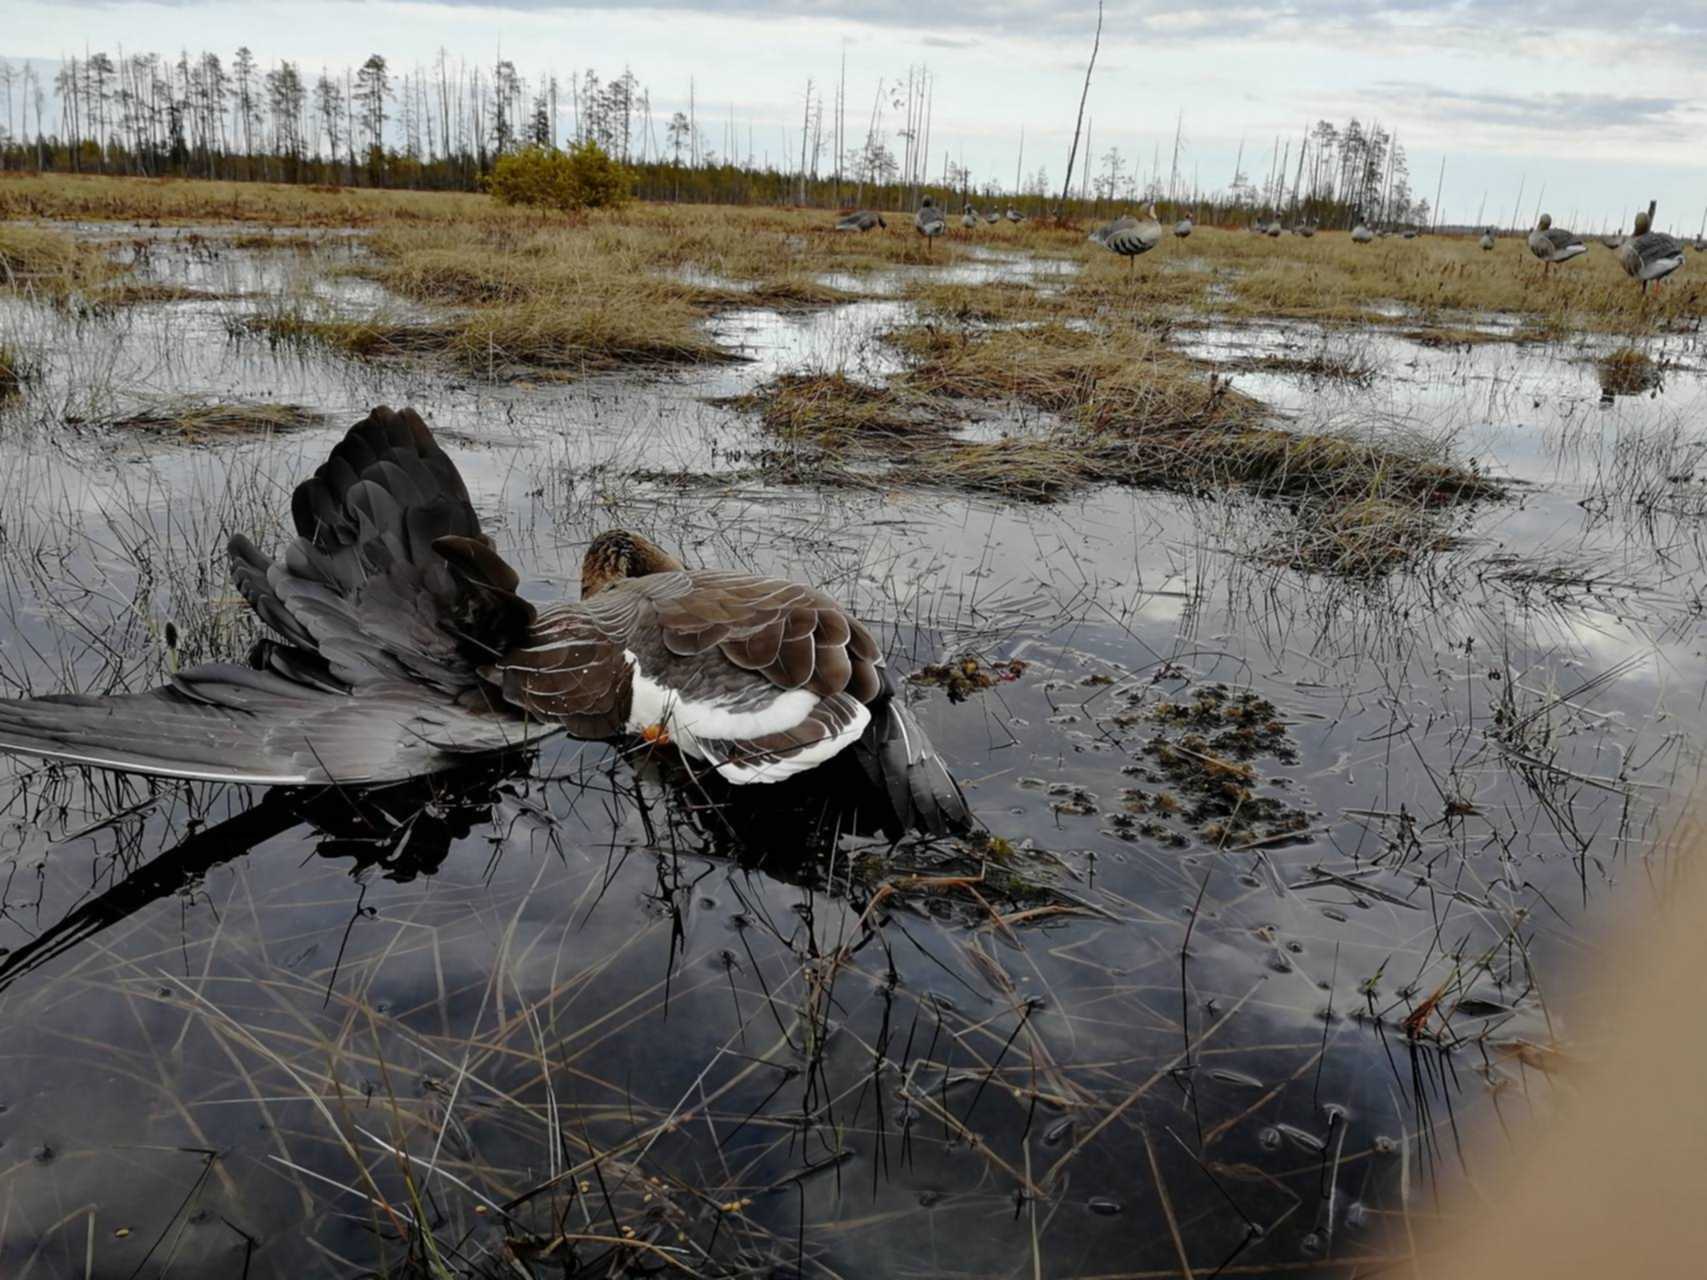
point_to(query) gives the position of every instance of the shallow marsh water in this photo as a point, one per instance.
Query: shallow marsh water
(569, 999)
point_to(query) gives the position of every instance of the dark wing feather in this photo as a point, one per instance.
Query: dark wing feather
(373, 582)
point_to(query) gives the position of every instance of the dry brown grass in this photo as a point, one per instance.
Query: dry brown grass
(15, 371)
(1627, 372)
(1432, 280)
(49, 263)
(193, 420)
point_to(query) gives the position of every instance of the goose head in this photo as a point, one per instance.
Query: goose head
(617, 554)
(1643, 223)
(1546, 221)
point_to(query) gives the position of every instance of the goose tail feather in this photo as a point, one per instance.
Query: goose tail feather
(900, 760)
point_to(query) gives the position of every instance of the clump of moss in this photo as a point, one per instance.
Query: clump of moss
(968, 674)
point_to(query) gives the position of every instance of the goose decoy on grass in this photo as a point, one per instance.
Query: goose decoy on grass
(969, 217)
(1487, 240)
(1099, 235)
(1182, 228)
(992, 217)
(1014, 215)
(1129, 237)
(1274, 229)
(1613, 242)
(1553, 244)
(398, 647)
(1305, 229)
(1360, 232)
(860, 220)
(929, 221)
(1648, 255)
(1409, 233)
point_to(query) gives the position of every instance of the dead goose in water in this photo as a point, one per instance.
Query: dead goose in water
(399, 647)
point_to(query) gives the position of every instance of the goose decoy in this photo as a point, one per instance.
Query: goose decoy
(398, 647)
(1409, 233)
(1487, 240)
(1613, 242)
(1129, 237)
(1182, 228)
(1014, 215)
(929, 222)
(969, 217)
(860, 220)
(1553, 244)
(1274, 229)
(1305, 229)
(1648, 255)
(1701, 244)
(1360, 232)
(992, 217)
(1100, 235)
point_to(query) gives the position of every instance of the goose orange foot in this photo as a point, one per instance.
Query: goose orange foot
(656, 734)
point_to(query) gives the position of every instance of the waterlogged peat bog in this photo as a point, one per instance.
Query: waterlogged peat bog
(1309, 788)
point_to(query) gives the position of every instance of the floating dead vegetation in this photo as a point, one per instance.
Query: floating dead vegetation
(194, 421)
(1201, 775)
(967, 674)
(1356, 368)
(1627, 372)
(535, 339)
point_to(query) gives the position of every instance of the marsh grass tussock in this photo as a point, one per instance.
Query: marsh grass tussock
(193, 420)
(49, 263)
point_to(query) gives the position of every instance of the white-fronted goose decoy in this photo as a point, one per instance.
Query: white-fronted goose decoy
(992, 217)
(1305, 229)
(929, 221)
(860, 220)
(1360, 232)
(969, 217)
(1014, 215)
(1129, 237)
(1553, 244)
(1182, 228)
(1274, 229)
(398, 647)
(1613, 242)
(1487, 240)
(1100, 235)
(1649, 255)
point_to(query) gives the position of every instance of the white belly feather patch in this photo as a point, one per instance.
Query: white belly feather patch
(692, 723)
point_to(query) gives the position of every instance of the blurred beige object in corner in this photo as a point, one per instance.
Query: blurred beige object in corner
(1617, 1186)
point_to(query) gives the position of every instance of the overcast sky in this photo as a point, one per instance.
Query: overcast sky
(1599, 104)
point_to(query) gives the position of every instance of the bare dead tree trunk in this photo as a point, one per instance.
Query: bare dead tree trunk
(1078, 124)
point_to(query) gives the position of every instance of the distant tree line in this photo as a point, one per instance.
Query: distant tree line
(444, 126)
